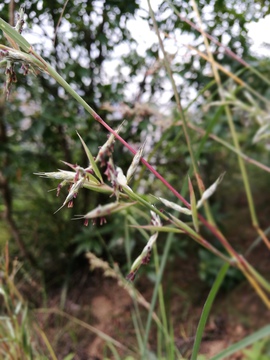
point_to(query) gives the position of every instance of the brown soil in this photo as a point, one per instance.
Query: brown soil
(100, 302)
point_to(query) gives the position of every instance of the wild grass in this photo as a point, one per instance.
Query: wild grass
(113, 182)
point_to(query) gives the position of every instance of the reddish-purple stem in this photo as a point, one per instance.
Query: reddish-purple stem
(212, 228)
(161, 178)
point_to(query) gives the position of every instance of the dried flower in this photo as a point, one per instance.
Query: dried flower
(59, 175)
(135, 162)
(73, 192)
(175, 206)
(107, 148)
(101, 211)
(210, 191)
(206, 194)
(145, 255)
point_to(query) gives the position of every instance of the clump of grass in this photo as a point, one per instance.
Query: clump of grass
(20, 337)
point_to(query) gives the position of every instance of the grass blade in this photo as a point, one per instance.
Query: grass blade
(15, 36)
(206, 310)
(249, 340)
(158, 228)
(193, 206)
(91, 159)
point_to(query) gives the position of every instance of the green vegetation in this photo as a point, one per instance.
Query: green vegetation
(150, 175)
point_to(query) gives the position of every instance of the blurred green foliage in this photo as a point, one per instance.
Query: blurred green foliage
(39, 122)
(259, 350)
(209, 266)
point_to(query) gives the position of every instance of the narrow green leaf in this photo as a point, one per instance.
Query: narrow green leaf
(14, 35)
(206, 310)
(102, 188)
(93, 179)
(91, 159)
(193, 206)
(185, 227)
(164, 260)
(249, 340)
(158, 228)
(138, 330)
